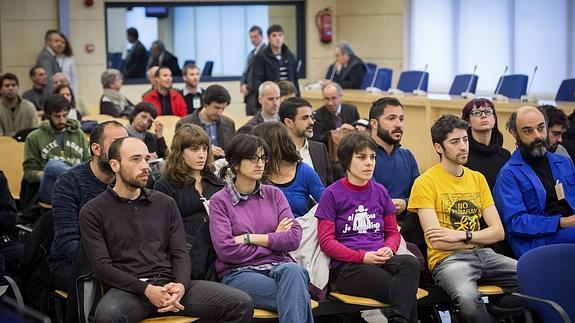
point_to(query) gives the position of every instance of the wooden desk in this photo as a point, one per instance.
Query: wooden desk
(421, 112)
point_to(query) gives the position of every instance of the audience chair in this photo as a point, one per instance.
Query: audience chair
(364, 301)
(171, 319)
(11, 164)
(188, 61)
(512, 86)
(409, 81)
(546, 281)
(115, 60)
(367, 78)
(371, 66)
(260, 314)
(169, 123)
(208, 67)
(6, 140)
(566, 91)
(461, 84)
(98, 117)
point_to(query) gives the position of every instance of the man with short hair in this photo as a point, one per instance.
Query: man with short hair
(451, 200)
(74, 189)
(269, 99)
(40, 89)
(56, 146)
(220, 128)
(59, 79)
(166, 100)
(274, 62)
(53, 43)
(395, 167)
(151, 76)
(137, 58)
(250, 95)
(159, 56)
(296, 114)
(192, 92)
(557, 124)
(148, 270)
(15, 113)
(287, 90)
(349, 69)
(333, 114)
(535, 190)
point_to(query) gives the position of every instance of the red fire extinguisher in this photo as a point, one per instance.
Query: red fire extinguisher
(323, 23)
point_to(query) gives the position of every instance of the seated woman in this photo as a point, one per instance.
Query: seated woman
(141, 120)
(358, 230)
(113, 102)
(188, 177)
(286, 170)
(253, 229)
(66, 91)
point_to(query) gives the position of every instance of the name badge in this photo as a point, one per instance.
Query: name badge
(559, 190)
(197, 103)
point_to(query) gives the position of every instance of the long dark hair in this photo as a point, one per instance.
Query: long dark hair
(242, 146)
(280, 143)
(496, 135)
(188, 135)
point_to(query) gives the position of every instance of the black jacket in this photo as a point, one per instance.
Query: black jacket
(168, 60)
(321, 162)
(7, 207)
(325, 121)
(350, 77)
(226, 127)
(266, 68)
(135, 62)
(487, 160)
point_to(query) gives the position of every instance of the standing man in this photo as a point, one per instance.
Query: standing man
(250, 95)
(349, 69)
(40, 89)
(535, 191)
(135, 62)
(274, 62)
(395, 167)
(333, 114)
(147, 270)
(450, 200)
(192, 92)
(269, 99)
(166, 100)
(15, 113)
(296, 114)
(54, 43)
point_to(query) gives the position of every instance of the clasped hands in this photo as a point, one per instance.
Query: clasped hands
(166, 298)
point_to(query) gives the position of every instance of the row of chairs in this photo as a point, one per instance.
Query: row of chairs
(512, 86)
(115, 61)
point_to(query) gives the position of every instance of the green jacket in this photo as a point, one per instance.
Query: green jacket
(41, 146)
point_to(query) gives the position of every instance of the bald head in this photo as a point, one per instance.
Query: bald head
(151, 75)
(528, 126)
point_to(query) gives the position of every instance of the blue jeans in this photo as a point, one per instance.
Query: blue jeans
(54, 168)
(460, 273)
(283, 289)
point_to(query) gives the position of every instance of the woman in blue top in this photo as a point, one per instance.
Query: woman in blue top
(286, 170)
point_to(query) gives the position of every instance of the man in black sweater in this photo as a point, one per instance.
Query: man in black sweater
(140, 252)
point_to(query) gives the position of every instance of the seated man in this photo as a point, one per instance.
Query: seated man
(535, 190)
(349, 69)
(287, 90)
(557, 124)
(56, 146)
(220, 128)
(450, 200)
(147, 270)
(15, 113)
(74, 189)
(192, 92)
(166, 100)
(296, 114)
(334, 114)
(40, 89)
(269, 99)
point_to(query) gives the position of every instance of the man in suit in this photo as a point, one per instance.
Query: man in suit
(333, 114)
(135, 62)
(54, 43)
(161, 57)
(296, 114)
(250, 94)
(349, 69)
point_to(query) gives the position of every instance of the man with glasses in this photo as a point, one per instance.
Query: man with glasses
(333, 114)
(535, 190)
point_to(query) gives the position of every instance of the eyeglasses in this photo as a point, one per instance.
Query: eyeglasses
(478, 113)
(255, 159)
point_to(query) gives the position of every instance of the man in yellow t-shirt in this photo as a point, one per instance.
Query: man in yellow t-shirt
(450, 200)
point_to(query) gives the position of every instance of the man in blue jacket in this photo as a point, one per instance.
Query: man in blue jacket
(535, 190)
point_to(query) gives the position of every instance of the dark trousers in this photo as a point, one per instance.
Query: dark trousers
(394, 283)
(61, 275)
(10, 254)
(211, 301)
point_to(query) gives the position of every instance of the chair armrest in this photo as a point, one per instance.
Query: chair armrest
(562, 314)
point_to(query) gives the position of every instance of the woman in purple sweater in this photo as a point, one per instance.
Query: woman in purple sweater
(253, 229)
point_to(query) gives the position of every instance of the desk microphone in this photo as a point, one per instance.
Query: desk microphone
(467, 94)
(496, 95)
(528, 98)
(298, 67)
(372, 88)
(419, 91)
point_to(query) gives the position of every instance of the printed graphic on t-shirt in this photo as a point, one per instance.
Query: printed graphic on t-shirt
(462, 209)
(360, 221)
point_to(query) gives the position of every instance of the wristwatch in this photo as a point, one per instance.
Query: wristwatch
(468, 236)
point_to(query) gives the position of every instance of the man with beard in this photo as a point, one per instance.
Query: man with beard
(74, 189)
(296, 114)
(15, 113)
(535, 190)
(450, 200)
(140, 252)
(192, 92)
(166, 100)
(395, 167)
(56, 146)
(557, 124)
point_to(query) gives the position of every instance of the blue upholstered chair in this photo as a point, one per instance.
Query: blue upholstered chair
(461, 84)
(409, 80)
(512, 86)
(566, 91)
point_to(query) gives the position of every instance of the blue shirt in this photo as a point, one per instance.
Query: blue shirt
(397, 172)
(305, 183)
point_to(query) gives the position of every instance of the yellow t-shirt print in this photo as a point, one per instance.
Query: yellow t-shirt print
(461, 211)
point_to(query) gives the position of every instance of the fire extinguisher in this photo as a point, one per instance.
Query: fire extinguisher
(323, 23)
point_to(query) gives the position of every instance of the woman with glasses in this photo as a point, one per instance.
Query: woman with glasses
(252, 230)
(286, 170)
(486, 152)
